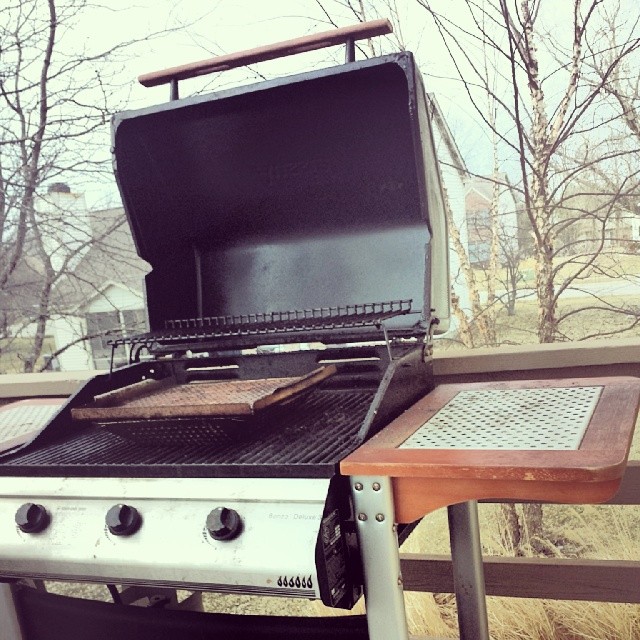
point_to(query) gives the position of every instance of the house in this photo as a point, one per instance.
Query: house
(479, 195)
(101, 297)
(589, 221)
(454, 173)
(79, 272)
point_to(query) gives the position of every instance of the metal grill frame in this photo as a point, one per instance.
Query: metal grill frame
(306, 438)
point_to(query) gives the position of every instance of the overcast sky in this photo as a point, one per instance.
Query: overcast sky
(224, 26)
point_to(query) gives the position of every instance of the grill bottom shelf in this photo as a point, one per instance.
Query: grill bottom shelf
(305, 438)
(52, 617)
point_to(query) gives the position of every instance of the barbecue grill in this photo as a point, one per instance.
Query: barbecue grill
(304, 212)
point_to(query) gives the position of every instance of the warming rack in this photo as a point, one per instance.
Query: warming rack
(321, 318)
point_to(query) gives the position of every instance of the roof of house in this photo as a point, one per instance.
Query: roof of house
(111, 258)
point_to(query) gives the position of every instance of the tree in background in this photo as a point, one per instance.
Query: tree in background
(553, 95)
(542, 96)
(552, 103)
(57, 94)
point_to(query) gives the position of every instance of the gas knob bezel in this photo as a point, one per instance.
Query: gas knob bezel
(42, 521)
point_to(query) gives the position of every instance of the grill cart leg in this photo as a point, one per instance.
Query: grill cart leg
(377, 533)
(468, 573)
(9, 625)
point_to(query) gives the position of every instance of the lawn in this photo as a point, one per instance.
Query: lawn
(12, 354)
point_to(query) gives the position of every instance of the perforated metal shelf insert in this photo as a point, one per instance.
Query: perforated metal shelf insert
(510, 419)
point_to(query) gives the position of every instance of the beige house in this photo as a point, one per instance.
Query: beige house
(101, 297)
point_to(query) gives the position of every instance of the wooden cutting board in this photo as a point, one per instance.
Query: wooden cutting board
(156, 399)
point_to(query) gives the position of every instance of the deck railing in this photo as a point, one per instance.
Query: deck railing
(548, 578)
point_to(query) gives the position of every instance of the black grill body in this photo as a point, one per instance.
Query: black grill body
(296, 211)
(300, 213)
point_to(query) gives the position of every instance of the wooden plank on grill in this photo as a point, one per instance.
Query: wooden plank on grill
(157, 399)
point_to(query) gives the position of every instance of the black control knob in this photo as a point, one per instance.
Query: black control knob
(224, 524)
(123, 520)
(32, 518)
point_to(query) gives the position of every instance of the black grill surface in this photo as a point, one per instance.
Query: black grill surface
(304, 438)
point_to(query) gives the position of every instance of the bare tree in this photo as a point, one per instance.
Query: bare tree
(549, 100)
(56, 99)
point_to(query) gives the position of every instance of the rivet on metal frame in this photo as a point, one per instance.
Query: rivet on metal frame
(380, 517)
(358, 486)
(376, 486)
(362, 517)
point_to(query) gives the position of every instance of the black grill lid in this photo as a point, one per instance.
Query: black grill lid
(304, 192)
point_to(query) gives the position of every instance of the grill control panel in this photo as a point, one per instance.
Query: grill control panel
(235, 535)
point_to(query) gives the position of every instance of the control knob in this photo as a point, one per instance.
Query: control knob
(32, 518)
(123, 520)
(224, 524)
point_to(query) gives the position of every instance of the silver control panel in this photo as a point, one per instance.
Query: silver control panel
(228, 535)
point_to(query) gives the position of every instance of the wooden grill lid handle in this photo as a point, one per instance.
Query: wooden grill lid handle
(268, 52)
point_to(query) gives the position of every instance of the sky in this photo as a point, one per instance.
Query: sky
(201, 29)
(225, 26)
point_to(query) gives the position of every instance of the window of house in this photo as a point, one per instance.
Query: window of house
(480, 219)
(479, 252)
(104, 326)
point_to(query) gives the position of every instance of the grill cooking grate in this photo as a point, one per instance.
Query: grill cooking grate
(273, 322)
(306, 437)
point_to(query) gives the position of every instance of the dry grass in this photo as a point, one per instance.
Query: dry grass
(602, 532)
(12, 354)
(607, 266)
(521, 328)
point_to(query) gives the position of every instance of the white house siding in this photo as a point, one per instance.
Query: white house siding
(454, 185)
(67, 232)
(66, 330)
(508, 218)
(115, 297)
